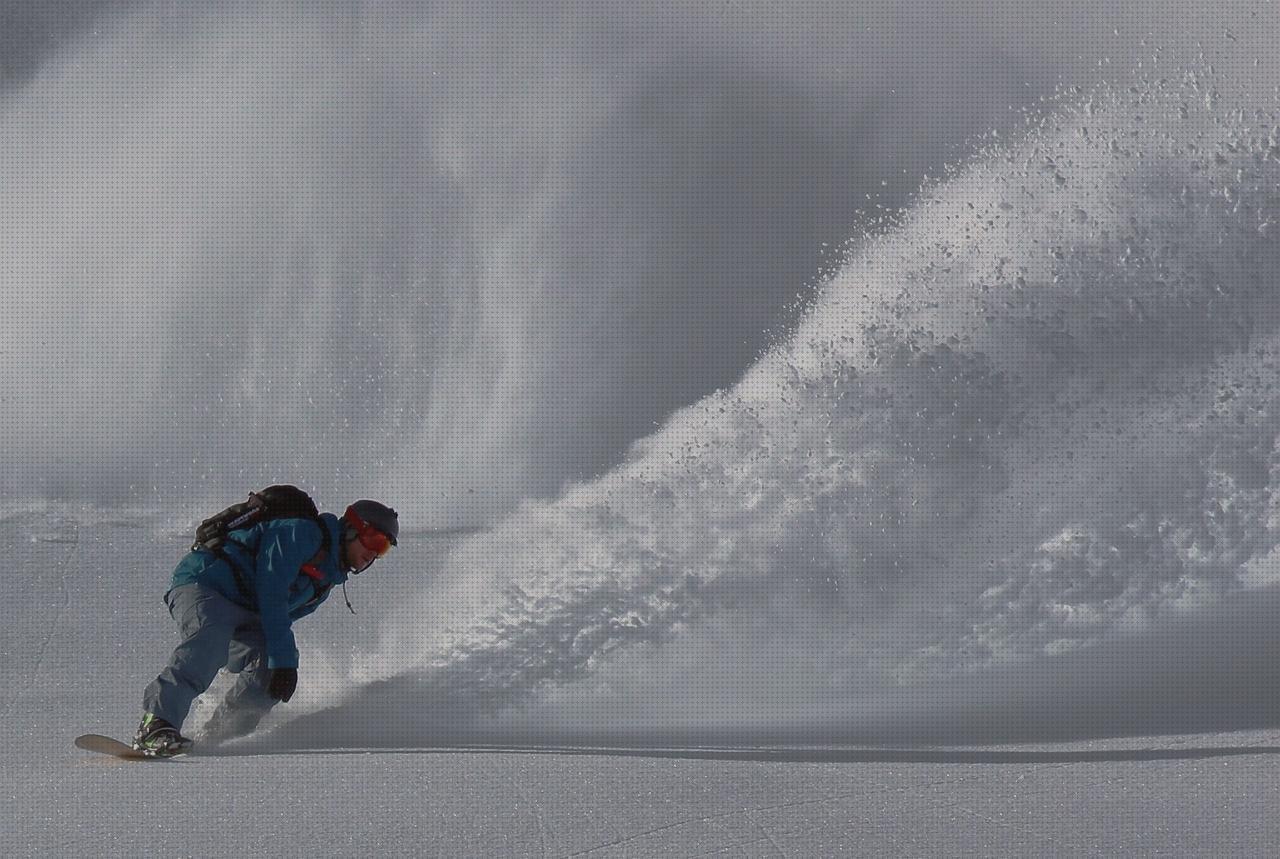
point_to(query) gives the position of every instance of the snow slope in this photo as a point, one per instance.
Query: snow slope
(83, 627)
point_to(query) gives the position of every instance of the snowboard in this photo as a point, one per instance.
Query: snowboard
(107, 746)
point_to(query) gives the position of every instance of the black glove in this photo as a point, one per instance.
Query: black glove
(283, 682)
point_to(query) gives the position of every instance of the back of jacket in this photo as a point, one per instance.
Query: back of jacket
(271, 556)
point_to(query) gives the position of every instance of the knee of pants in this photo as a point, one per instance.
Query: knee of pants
(247, 661)
(247, 652)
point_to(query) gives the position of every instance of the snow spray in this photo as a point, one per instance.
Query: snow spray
(1013, 475)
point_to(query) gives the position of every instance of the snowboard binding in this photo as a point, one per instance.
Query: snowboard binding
(156, 738)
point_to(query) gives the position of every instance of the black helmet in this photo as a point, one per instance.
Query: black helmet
(378, 515)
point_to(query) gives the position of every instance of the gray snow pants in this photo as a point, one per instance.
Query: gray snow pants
(216, 633)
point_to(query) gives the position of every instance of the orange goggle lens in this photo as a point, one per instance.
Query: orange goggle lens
(374, 540)
(370, 537)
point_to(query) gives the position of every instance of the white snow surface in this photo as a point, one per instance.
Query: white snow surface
(84, 629)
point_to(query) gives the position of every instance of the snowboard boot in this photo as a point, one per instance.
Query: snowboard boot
(156, 738)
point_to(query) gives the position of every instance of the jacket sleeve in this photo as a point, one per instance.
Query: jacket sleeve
(285, 547)
(303, 611)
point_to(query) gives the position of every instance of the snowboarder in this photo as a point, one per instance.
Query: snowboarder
(235, 598)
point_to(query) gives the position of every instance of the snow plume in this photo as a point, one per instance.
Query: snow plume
(1021, 451)
(456, 255)
(448, 254)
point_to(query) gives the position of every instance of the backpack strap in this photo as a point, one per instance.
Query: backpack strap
(311, 568)
(325, 541)
(238, 572)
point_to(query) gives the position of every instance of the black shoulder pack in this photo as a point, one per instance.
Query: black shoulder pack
(274, 502)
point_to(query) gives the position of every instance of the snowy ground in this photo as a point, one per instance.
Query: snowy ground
(84, 629)
(1200, 794)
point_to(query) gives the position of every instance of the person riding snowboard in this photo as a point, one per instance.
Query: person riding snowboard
(235, 598)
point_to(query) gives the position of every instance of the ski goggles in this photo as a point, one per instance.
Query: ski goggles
(370, 537)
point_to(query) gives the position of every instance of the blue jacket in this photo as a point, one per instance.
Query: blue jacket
(273, 571)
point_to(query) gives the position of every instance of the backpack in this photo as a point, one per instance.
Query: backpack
(274, 502)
